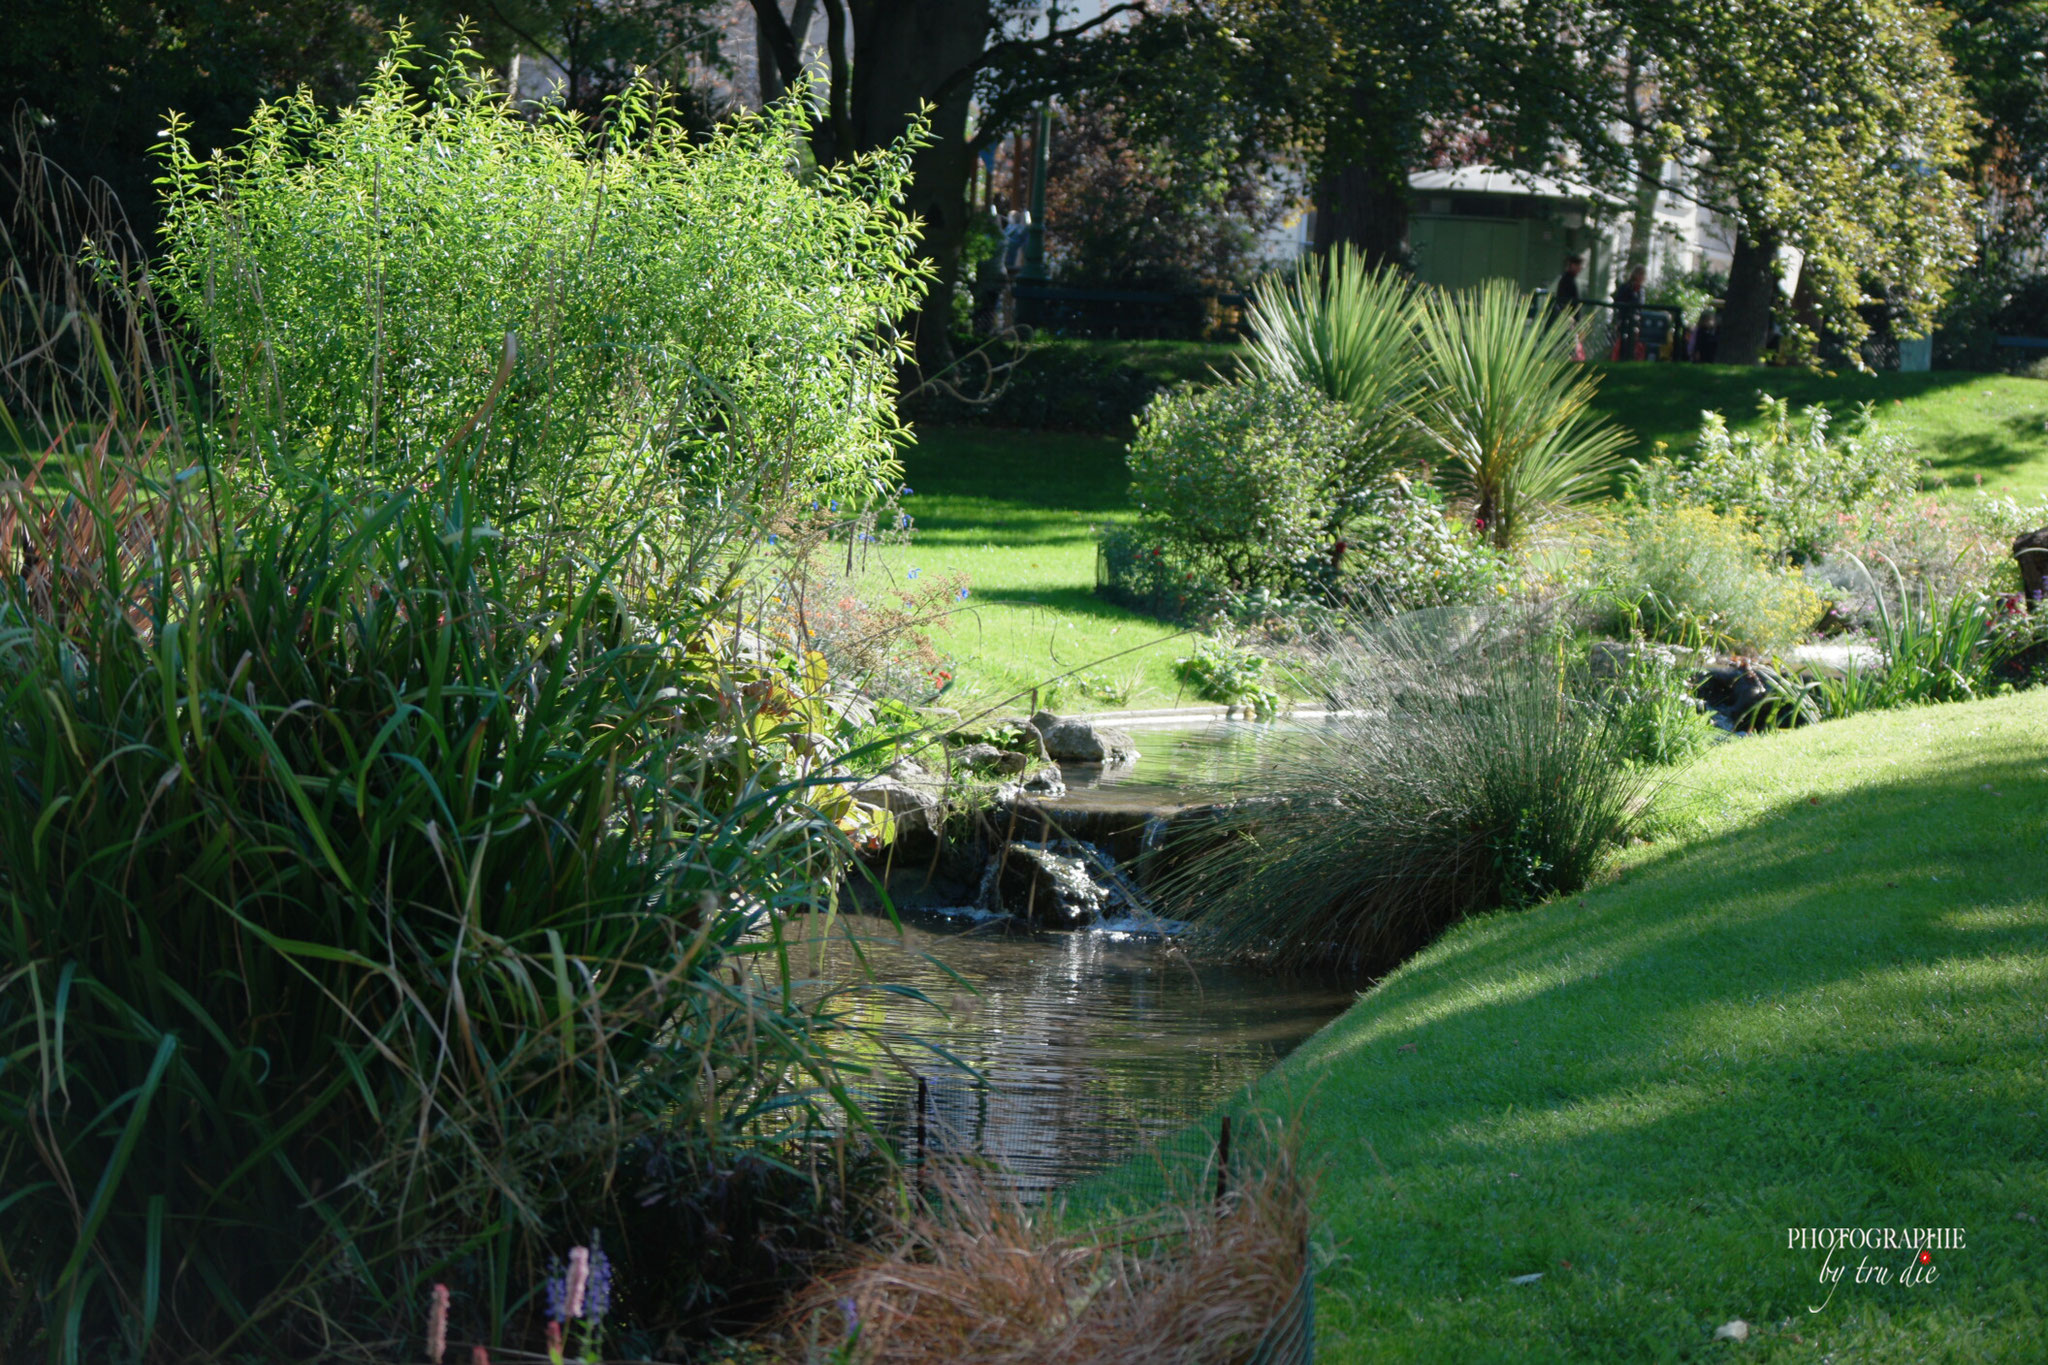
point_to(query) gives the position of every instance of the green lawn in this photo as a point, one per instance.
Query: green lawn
(1966, 424)
(1819, 999)
(1016, 511)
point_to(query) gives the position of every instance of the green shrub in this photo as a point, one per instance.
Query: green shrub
(615, 318)
(1508, 411)
(1690, 576)
(1237, 478)
(1801, 485)
(365, 910)
(1651, 710)
(1463, 778)
(1404, 550)
(1222, 670)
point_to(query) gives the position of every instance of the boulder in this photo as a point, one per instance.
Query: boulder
(907, 770)
(1733, 691)
(2031, 550)
(1044, 780)
(915, 807)
(1047, 885)
(1078, 741)
(988, 758)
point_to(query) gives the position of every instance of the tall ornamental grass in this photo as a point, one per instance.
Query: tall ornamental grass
(1465, 776)
(1508, 412)
(646, 321)
(361, 915)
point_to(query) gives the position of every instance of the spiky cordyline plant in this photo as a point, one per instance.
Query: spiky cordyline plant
(1346, 331)
(1466, 776)
(1508, 410)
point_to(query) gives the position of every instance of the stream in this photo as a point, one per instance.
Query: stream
(1092, 1042)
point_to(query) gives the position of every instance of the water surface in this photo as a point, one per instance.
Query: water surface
(1089, 1043)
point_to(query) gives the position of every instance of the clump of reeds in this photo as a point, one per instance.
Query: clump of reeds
(1468, 772)
(971, 1275)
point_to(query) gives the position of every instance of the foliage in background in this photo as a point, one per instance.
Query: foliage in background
(1800, 484)
(623, 318)
(1237, 477)
(1801, 108)
(1462, 778)
(1348, 332)
(1125, 213)
(1689, 576)
(1507, 409)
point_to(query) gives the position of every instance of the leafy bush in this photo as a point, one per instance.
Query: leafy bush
(1651, 709)
(1222, 670)
(1508, 410)
(1929, 650)
(1690, 576)
(1236, 477)
(1404, 550)
(1800, 485)
(364, 910)
(619, 318)
(1464, 778)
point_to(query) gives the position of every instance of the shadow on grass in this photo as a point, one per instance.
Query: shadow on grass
(2017, 441)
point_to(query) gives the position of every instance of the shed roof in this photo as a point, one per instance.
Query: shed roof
(1491, 180)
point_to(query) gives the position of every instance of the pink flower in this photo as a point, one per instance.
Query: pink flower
(579, 1279)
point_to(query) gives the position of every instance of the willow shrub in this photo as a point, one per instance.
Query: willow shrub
(363, 912)
(1465, 774)
(617, 316)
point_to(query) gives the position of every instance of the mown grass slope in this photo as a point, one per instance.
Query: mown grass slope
(1820, 998)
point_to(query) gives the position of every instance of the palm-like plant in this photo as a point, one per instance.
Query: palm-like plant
(1346, 330)
(1509, 410)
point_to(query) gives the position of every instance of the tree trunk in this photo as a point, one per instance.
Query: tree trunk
(1366, 207)
(903, 50)
(1649, 180)
(1752, 293)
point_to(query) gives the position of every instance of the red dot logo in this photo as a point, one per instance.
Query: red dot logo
(1925, 1258)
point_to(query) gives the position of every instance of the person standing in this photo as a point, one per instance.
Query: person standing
(1628, 316)
(1015, 238)
(1564, 300)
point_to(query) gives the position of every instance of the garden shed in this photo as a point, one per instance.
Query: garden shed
(1477, 223)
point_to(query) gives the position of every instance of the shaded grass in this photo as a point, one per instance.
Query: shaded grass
(1817, 1000)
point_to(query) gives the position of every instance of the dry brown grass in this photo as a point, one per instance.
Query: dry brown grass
(975, 1277)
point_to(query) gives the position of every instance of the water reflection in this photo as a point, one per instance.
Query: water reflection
(1090, 1043)
(1182, 764)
